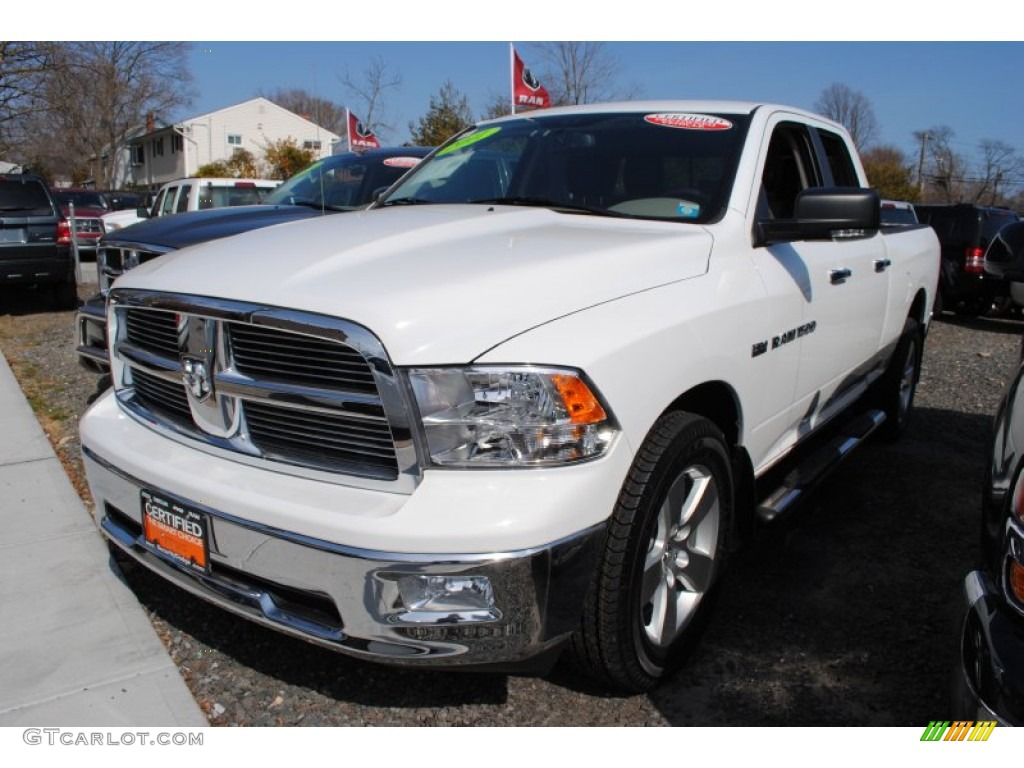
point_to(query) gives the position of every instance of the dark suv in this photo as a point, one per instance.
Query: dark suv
(965, 232)
(30, 247)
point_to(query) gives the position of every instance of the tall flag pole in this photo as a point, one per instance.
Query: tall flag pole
(512, 74)
(527, 91)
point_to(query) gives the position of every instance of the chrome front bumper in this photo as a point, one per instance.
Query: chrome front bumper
(987, 679)
(348, 599)
(91, 335)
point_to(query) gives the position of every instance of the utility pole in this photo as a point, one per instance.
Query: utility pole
(920, 164)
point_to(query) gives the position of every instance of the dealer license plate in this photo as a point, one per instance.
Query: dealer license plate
(176, 531)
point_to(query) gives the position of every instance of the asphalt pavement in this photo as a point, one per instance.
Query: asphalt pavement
(76, 648)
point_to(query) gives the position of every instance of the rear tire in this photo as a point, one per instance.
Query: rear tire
(899, 382)
(65, 295)
(666, 544)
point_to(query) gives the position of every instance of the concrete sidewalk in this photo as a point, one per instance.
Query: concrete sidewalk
(76, 649)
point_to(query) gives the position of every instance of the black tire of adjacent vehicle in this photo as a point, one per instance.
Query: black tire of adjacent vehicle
(65, 294)
(899, 382)
(670, 532)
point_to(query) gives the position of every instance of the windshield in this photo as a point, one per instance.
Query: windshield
(82, 199)
(342, 182)
(673, 166)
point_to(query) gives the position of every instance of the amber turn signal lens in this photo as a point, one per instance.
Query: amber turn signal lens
(1017, 580)
(579, 400)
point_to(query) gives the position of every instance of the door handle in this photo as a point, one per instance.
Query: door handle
(882, 264)
(839, 276)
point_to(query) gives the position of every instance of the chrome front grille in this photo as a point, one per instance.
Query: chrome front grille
(269, 353)
(306, 393)
(323, 440)
(115, 257)
(88, 226)
(162, 398)
(153, 331)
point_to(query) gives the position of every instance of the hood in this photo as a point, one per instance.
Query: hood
(179, 230)
(439, 283)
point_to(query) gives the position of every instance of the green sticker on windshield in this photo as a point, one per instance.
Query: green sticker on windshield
(465, 141)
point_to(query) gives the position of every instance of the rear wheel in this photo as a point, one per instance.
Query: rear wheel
(899, 382)
(666, 544)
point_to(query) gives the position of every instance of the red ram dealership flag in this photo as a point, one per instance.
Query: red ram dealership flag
(359, 136)
(527, 92)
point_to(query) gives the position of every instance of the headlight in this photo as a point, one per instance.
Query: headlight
(510, 417)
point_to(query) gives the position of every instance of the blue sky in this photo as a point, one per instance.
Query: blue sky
(911, 85)
(912, 81)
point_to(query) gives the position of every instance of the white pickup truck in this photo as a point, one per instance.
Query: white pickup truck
(530, 401)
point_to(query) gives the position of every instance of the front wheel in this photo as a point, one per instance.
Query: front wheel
(667, 540)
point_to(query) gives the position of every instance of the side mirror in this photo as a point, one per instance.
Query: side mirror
(142, 212)
(825, 213)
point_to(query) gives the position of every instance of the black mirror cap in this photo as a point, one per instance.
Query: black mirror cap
(839, 208)
(142, 212)
(824, 213)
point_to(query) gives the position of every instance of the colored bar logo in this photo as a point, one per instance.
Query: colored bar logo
(959, 730)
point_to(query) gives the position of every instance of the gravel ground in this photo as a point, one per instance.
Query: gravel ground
(844, 617)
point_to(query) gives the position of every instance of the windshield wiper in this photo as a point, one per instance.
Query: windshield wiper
(405, 201)
(543, 202)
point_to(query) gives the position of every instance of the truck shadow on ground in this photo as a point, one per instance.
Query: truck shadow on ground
(842, 616)
(28, 300)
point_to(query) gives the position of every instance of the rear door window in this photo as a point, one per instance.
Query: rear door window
(182, 205)
(844, 174)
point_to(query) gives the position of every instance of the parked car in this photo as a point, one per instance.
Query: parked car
(90, 205)
(194, 194)
(1004, 259)
(897, 213)
(335, 184)
(33, 250)
(964, 232)
(988, 681)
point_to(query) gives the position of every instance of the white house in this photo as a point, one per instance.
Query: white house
(176, 151)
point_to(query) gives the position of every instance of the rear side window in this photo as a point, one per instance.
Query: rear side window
(183, 198)
(24, 197)
(843, 172)
(168, 206)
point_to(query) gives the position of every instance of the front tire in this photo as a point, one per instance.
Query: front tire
(666, 544)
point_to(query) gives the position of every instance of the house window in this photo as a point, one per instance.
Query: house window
(158, 147)
(177, 143)
(311, 145)
(138, 152)
(235, 138)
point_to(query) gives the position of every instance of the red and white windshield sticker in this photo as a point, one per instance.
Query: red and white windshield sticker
(689, 122)
(401, 162)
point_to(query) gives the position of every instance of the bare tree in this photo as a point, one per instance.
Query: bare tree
(324, 112)
(22, 68)
(999, 162)
(581, 73)
(98, 95)
(946, 167)
(369, 91)
(852, 109)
